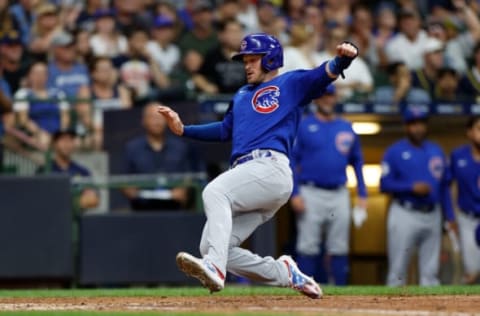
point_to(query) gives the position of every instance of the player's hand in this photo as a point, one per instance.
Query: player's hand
(297, 204)
(173, 120)
(421, 188)
(180, 195)
(347, 49)
(359, 215)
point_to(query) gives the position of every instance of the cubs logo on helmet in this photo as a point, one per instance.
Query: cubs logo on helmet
(265, 100)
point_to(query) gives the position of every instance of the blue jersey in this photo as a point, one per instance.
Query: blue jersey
(69, 80)
(323, 150)
(267, 115)
(466, 172)
(404, 164)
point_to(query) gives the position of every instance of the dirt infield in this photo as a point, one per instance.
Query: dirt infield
(298, 305)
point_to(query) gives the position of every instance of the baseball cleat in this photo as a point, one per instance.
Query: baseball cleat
(203, 270)
(299, 281)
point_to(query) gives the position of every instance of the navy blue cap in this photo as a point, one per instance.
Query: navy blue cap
(12, 37)
(415, 113)
(162, 21)
(105, 12)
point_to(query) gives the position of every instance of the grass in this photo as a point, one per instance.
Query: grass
(241, 290)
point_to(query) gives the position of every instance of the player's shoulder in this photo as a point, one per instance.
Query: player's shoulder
(433, 146)
(461, 151)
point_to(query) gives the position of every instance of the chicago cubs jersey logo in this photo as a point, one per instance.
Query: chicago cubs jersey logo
(265, 100)
(435, 165)
(344, 141)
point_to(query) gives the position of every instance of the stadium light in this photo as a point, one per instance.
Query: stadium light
(366, 128)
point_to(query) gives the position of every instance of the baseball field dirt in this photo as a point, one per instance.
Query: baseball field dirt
(258, 304)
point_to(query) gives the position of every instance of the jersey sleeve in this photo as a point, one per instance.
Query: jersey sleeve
(445, 194)
(389, 182)
(311, 83)
(356, 160)
(296, 157)
(218, 131)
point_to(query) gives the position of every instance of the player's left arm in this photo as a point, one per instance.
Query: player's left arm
(446, 197)
(356, 161)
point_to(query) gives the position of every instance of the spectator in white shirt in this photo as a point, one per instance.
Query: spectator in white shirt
(107, 41)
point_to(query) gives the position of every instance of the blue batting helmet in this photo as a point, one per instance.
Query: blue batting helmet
(262, 44)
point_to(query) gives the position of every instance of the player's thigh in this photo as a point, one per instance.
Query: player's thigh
(258, 184)
(470, 250)
(402, 229)
(338, 235)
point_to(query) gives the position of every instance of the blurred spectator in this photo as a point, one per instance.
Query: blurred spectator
(448, 89)
(471, 81)
(23, 16)
(106, 40)
(158, 152)
(181, 77)
(270, 20)
(400, 89)
(226, 10)
(219, 73)
(41, 111)
(129, 15)
(301, 52)
(185, 14)
(162, 47)
(69, 12)
(85, 19)
(384, 30)
(7, 22)
(202, 37)
(247, 15)
(139, 71)
(449, 27)
(106, 93)
(46, 26)
(168, 9)
(4, 86)
(294, 11)
(358, 82)
(315, 20)
(408, 44)
(426, 76)
(68, 74)
(337, 12)
(63, 145)
(14, 61)
(82, 45)
(361, 32)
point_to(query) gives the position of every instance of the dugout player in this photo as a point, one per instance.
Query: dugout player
(324, 147)
(261, 122)
(415, 173)
(465, 166)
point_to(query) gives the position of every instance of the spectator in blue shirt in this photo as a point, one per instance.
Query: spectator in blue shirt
(158, 152)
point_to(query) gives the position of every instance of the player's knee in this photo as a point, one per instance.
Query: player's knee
(212, 192)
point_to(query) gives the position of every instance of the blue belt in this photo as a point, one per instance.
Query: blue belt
(424, 208)
(330, 187)
(260, 153)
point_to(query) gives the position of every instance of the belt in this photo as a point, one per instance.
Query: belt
(424, 208)
(328, 187)
(471, 214)
(257, 153)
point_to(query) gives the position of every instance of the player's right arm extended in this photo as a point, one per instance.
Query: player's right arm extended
(389, 183)
(217, 131)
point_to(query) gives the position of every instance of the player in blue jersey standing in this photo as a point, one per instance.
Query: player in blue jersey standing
(261, 122)
(465, 166)
(326, 144)
(415, 173)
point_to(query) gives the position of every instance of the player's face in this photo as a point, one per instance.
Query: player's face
(326, 104)
(474, 134)
(417, 131)
(253, 69)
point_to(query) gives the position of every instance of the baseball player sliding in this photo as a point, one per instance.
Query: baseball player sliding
(261, 122)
